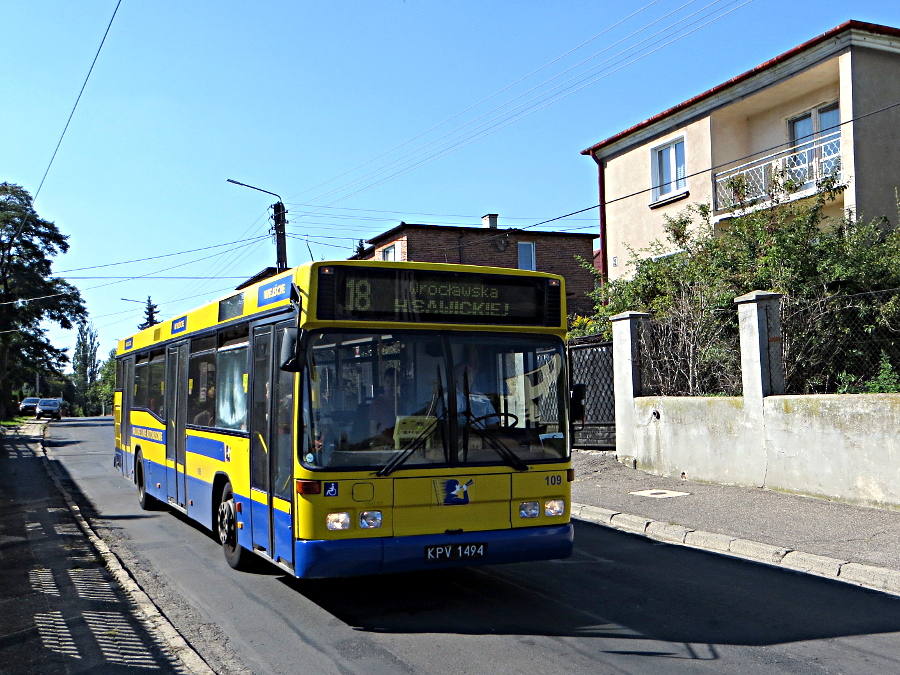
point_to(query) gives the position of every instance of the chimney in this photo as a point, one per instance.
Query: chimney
(489, 221)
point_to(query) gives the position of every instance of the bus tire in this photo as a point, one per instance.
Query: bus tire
(147, 501)
(236, 555)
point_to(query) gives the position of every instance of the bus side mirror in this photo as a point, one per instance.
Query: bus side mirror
(288, 357)
(576, 403)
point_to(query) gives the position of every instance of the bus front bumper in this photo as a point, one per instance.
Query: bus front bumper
(355, 557)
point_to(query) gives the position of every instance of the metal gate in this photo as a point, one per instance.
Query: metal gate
(591, 361)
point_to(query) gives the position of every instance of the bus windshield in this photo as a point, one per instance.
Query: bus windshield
(417, 398)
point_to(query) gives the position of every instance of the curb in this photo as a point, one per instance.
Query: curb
(149, 613)
(866, 576)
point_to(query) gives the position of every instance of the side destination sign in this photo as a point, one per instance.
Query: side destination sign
(179, 325)
(274, 291)
(152, 435)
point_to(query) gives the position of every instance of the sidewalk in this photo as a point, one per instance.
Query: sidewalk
(857, 545)
(64, 609)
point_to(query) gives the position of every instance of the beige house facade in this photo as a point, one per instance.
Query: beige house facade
(829, 107)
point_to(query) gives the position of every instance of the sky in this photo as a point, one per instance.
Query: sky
(359, 114)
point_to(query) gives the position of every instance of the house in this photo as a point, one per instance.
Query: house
(553, 252)
(828, 107)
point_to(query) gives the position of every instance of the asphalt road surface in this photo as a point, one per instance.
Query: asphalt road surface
(622, 604)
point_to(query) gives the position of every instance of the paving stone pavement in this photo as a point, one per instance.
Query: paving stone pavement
(61, 609)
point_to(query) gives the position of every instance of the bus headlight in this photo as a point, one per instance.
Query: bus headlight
(370, 519)
(554, 507)
(529, 510)
(338, 521)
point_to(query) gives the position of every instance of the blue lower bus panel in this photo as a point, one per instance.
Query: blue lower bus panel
(354, 557)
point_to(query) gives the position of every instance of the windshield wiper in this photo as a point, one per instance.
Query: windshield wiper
(497, 446)
(419, 441)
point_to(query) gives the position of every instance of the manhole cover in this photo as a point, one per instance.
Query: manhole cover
(659, 494)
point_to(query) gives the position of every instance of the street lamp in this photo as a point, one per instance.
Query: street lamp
(278, 230)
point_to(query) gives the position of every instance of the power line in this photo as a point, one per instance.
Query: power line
(511, 117)
(165, 255)
(122, 280)
(475, 105)
(71, 114)
(153, 277)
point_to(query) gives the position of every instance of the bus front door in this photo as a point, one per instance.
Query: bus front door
(176, 409)
(271, 442)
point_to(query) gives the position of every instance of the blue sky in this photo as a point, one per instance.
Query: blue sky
(359, 114)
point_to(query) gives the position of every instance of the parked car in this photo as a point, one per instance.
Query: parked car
(49, 407)
(28, 405)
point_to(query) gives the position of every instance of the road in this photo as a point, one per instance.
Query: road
(622, 604)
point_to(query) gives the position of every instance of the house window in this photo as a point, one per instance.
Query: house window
(526, 256)
(668, 169)
(389, 253)
(819, 122)
(815, 145)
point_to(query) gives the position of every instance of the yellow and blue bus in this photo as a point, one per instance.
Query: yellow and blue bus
(358, 417)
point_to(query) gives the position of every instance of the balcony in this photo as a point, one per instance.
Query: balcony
(798, 169)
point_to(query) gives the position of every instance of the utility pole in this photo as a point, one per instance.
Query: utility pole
(280, 237)
(278, 229)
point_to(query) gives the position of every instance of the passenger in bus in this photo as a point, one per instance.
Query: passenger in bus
(384, 408)
(206, 417)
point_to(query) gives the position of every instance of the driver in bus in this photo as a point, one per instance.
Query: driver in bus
(478, 405)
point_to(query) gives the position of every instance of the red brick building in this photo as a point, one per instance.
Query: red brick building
(553, 252)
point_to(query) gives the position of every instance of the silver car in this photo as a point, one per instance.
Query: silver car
(48, 407)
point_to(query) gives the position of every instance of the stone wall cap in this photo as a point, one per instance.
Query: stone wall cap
(756, 296)
(629, 315)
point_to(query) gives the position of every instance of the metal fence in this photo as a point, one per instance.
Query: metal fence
(686, 354)
(591, 360)
(842, 344)
(803, 164)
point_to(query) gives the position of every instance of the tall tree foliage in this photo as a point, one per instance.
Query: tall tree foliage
(150, 312)
(106, 384)
(689, 281)
(29, 293)
(86, 369)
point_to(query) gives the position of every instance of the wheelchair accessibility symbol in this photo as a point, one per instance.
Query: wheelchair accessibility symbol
(331, 489)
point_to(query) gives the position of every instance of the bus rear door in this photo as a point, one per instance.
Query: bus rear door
(176, 409)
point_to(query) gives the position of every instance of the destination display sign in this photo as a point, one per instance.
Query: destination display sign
(351, 293)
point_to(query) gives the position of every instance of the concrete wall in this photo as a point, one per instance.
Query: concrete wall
(708, 438)
(844, 447)
(840, 446)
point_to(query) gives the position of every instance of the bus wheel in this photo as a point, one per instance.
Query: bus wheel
(147, 502)
(235, 554)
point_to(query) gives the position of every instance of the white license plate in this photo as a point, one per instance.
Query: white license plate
(455, 552)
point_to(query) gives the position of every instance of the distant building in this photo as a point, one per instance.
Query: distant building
(553, 252)
(819, 109)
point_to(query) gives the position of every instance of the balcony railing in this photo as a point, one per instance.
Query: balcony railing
(800, 167)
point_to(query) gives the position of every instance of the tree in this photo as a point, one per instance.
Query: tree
(86, 369)
(688, 284)
(150, 312)
(29, 294)
(105, 386)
